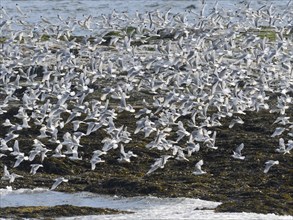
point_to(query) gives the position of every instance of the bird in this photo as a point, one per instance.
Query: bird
(269, 164)
(181, 132)
(289, 147)
(16, 150)
(236, 120)
(125, 157)
(159, 163)
(198, 170)
(191, 146)
(58, 152)
(278, 131)
(95, 159)
(4, 146)
(99, 153)
(34, 168)
(237, 153)
(57, 182)
(282, 146)
(20, 157)
(10, 177)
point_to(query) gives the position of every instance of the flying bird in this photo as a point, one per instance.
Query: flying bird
(57, 182)
(198, 170)
(237, 153)
(269, 164)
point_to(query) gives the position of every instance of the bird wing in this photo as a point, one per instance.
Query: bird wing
(16, 146)
(122, 152)
(282, 144)
(198, 165)
(239, 148)
(56, 183)
(6, 172)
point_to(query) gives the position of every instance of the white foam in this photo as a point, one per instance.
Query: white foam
(144, 207)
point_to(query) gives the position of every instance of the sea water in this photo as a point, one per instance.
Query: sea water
(143, 207)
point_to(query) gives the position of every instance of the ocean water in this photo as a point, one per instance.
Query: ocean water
(144, 207)
(80, 8)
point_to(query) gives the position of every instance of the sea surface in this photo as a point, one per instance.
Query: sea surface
(144, 207)
(79, 8)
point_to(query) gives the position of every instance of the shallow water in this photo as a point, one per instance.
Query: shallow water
(78, 9)
(144, 207)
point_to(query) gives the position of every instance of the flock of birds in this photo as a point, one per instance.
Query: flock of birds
(185, 64)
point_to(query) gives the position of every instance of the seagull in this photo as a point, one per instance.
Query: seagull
(283, 120)
(8, 176)
(7, 123)
(198, 170)
(289, 147)
(34, 168)
(98, 153)
(191, 147)
(20, 157)
(95, 159)
(181, 132)
(281, 148)
(236, 120)
(237, 153)
(278, 131)
(159, 163)
(269, 164)
(125, 157)
(16, 150)
(57, 182)
(74, 155)
(58, 152)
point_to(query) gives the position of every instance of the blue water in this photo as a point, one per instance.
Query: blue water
(71, 8)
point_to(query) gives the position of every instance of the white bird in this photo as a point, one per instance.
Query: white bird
(181, 132)
(34, 168)
(99, 153)
(198, 170)
(57, 182)
(95, 159)
(269, 164)
(7, 123)
(16, 150)
(191, 146)
(8, 176)
(282, 147)
(125, 157)
(283, 120)
(20, 157)
(278, 131)
(74, 155)
(180, 154)
(237, 153)
(159, 163)
(234, 121)
(210, 142)
(58, 152)
(289, 147)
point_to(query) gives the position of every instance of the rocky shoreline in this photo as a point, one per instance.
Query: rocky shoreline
(241, 186)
